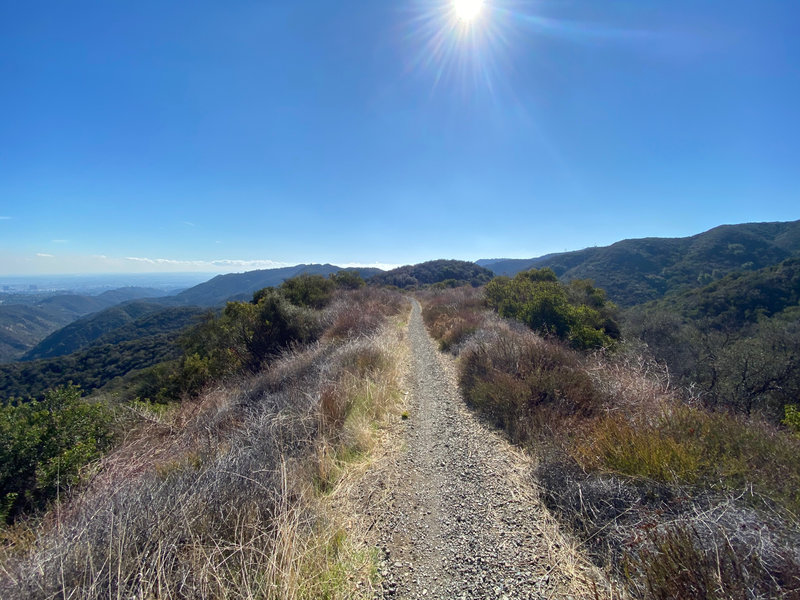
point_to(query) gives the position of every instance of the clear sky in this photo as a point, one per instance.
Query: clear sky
(225, 136)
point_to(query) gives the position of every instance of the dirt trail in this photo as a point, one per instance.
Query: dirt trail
(458, 517)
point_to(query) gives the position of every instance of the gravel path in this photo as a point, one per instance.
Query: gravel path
(458, 517)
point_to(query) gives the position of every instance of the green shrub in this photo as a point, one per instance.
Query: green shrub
(347, 280)
(45, 444)
(242, 338)
(792, 418)
(578, 313)
(308, 291)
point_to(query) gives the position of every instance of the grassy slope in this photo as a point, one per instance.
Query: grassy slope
(236, 493)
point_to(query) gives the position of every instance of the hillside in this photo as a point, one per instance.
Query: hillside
(131, 320)
(25, 321)
(734, 342)
(448, 272)
(240, 286)
(637, 270)
(738, 299)
(318, 426)
(90, 368)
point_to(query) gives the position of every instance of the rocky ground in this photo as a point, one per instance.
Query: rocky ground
(453, 507)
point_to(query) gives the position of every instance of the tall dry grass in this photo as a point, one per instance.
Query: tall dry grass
(222, 497)
(676, 501)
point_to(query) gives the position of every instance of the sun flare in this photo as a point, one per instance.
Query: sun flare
(467, 10)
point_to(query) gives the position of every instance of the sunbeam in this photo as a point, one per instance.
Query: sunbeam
(460, 42)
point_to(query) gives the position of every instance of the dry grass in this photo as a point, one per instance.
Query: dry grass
(453, 315)
(218, 499)
(677, 501)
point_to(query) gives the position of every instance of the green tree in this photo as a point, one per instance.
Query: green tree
(242, 338)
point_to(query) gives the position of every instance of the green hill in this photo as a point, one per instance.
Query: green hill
(638, 270)
(734, 342)
(128, 321)
(739, 299)
(21, 327)
(91, 368)
(26, 320)
(454, 272)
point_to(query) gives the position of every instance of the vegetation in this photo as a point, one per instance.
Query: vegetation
(308, 291)
(242, 338)
(636, 271)
(450, 273)
(347, 280)
(128, 321)
(91, 369)
(44, 446)
(674, 457)
(734, 342)
(577, 313)
(27, 319)
(232, 492)
(678, 500)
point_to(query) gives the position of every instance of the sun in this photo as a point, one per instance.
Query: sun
(467, 10)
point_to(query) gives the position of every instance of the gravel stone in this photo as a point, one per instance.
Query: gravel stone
(460, 513)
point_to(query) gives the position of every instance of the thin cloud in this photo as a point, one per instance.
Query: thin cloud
(5, 218)
(44, 255)
(255, 264)
(209, 264)
(188, 223)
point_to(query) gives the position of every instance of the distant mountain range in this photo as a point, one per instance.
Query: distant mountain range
(240, 286)
(60, 324)
(91, 339)
(638, 270)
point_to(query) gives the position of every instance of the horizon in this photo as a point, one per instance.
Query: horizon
(144, 138)
(381, 266)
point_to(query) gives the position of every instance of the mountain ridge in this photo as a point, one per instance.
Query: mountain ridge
(638, 270)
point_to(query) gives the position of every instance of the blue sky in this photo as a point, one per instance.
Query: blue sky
(225, 136)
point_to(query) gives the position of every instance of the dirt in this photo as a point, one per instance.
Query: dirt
(454, 510)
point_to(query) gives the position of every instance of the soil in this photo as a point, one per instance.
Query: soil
(455, 511)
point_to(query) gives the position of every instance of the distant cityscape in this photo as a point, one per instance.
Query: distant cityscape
(97, 284)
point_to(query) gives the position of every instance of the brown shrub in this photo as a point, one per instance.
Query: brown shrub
(452, 315)
(522, 382)
(361, 312)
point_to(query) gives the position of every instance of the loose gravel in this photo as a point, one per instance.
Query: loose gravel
(458, 516)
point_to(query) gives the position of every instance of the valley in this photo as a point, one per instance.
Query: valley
(431, 431)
